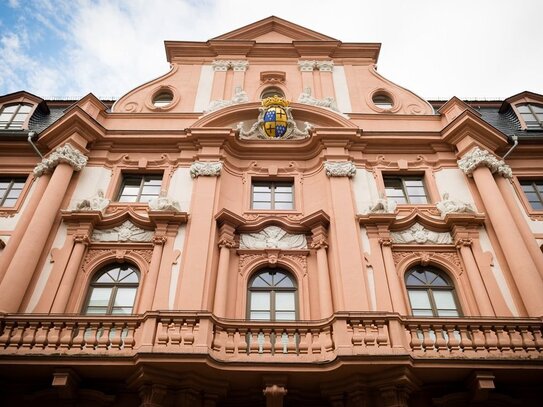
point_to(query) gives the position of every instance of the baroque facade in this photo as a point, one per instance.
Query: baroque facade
(272, 222)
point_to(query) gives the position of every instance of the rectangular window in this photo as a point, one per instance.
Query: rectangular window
(533, 190)
(405, 190)
(140, 188)
(272, 195)
(10, 190)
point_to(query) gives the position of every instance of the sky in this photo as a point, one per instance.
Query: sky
(472, 49)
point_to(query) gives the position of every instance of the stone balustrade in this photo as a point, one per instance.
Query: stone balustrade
(345, 334)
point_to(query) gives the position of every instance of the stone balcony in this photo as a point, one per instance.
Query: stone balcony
(200, 334)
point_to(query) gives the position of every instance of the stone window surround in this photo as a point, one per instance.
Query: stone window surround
(426, 173)
(12, 210)
(530, 211)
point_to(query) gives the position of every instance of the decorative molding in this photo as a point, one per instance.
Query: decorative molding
(240, 96)
(311, 65)
(163, 203)
(340, 168)
(205, 169)
(223, 65)
(273, 77)
(306, 98)
(93, 254)
(127, 232)
(96, 203)
(245, 259)
(447, 205)
(426, 257)
(272, 237)
(65, 154)
(477, 157)
(419, 235)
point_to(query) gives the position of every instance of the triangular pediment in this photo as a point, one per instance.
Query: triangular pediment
(274, 29)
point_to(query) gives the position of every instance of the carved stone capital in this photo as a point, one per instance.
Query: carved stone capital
(205, 169)
(82, 238)
(274, 394)
(152, 395)
(325, 66)
(240, 65)
(306, 66)
(227, 242)
(477, 157)
(220, 65)
(385, 241)
(65, 154)
(340, 168)
(463, 242)
(159, 239)
(319, 243)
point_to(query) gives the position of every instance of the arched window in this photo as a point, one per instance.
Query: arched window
(431, 293)
(272, 91)
(272, 296)
(13, 117)
(113, 291)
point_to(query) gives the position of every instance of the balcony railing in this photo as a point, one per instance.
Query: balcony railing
(345, 334)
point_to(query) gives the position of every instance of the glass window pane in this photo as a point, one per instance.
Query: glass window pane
(9, 202)
(447, 313)
(285, 316)
(128, 198)
(444, 299)
(283, 197)
(260, 301)
(418, 200)
(262, 197)
(100, 296)
(419, 299)
(535, 205)
(129, 276)
(283, 188)
(151, 190)
(121, 311)
(125, 297)
(261, 188)
(10, 109)
(259, 315)
(523, 109)
(283, 205)
(284, 301)
(96, 310)
(416, 191)
(413, 183)
(422, 312)
(261, 205)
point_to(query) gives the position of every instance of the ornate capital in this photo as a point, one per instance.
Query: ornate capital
(477, 157)
(227, 242)
(463, 242)
(319, 243)
(306, 66)
(340, 168)
(159, 239)
(220, 65)
(325, 66)
(82, 238)
(205, 168)
(65, 154)
(239, 66)
(385, 241)
(274, 391)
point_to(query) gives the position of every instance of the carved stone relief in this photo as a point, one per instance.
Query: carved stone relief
(426, 257)
(477, 157)
(205, 168)
(127, 232)
(340, 168)
(240, 96)
(96, 203)
(272, 237)
(65, 154)
(163, 203)
(383, 205)
(305, 97)
(419, 235)
(453, 206)
(92, 254)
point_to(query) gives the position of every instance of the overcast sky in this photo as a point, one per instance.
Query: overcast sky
(437, 49)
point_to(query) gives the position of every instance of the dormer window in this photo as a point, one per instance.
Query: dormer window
(14, 117)
(532, 115)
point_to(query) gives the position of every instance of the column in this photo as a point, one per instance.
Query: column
(323, 277)
(221, 286)
(306, 68)
(524, 229)
(327, 83)
(220, 69)
(527, 278)
(65, 289)
(475, 279)
(153, 395)
(345, 236)
(64, 161)
(150, 283)
(198, 248)
(274, 395)
(22, 224)
(397, 294)
(239, 67)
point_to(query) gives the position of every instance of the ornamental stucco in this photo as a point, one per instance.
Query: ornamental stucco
(448, 205)
(164, 203)
(205, 169)
(340, 168)
(383, 205)
(127, 232)
(95, 203)
(306, 98)
(477, 157)
(240, 96)
(420, 235)
(65, 154)
(272, 237)
(223, 65)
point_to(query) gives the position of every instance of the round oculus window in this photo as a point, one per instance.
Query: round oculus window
(163, 99)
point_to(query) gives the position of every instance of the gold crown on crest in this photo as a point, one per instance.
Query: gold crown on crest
(275, 101)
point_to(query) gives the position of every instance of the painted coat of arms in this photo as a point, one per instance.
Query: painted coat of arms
(275, 122)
